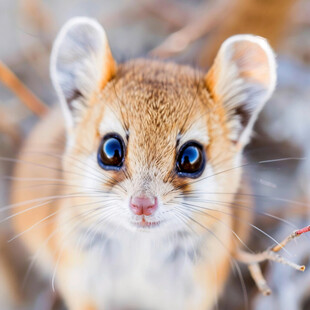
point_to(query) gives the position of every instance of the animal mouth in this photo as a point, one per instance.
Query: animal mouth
(145, 223)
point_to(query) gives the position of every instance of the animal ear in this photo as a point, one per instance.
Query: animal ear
(81, 64)
(242, 79)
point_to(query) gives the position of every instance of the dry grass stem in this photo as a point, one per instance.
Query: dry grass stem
(196, 28)
(11, 81)
(253, 260)
(289, 238)
(259, 279)
(9, 128)
(170, 12)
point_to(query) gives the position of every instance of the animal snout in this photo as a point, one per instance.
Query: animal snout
(143, 205)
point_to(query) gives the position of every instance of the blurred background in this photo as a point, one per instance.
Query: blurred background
(186, 31)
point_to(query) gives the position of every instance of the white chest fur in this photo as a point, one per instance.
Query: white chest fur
(139, 271)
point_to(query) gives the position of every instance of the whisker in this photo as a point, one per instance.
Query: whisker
(45, 242)
(274, 198)
(47, 200)
(232, 260)
(57, 263)
(237, 206)
(282, 159)
(96, 172)
(44, 166)
(108, 209)
(221, 222)
(53, 214)
(240, 220)
(237, 167)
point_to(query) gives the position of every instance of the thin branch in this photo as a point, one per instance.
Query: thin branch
(11, 81)
(38, 15)
(9, 128)
(259, 279)
(123, 16)
(289, 238)
(197, 27)
(168, 11)
(253, 260)
(249, 258)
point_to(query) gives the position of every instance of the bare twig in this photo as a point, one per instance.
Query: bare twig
(168, 11)
(123, 16)
(249, 258)
(8, 128)
(195, 29)
(38, 15)
(292, 236)
(10, 80)
(259, 279)
(253, 260)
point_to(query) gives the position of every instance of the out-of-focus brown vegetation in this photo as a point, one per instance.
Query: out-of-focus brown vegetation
(190, 32)
(9, 79)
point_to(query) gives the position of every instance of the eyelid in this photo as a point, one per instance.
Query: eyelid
(180, 145)
(111, 124)
(108, 132)
(187, 143)
(198, 133)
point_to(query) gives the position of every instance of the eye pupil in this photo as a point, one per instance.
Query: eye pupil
(111, 152)
(190, 157)
(190, 162)
(112, 149)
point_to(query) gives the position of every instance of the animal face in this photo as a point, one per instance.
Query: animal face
(156, 146)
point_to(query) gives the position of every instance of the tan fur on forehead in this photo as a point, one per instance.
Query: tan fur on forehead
(158, 93)
(158, 103)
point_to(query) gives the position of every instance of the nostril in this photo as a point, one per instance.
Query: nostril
(150, 208)
(138, 210)
(143, 205)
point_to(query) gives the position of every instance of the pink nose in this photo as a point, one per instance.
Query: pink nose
(143, 205)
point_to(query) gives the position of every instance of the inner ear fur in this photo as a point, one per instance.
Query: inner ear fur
(242, 79)
(81, 64)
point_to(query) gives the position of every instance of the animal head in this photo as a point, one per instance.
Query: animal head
(154, 144)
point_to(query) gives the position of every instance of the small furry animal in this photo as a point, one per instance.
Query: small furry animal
(135, 185)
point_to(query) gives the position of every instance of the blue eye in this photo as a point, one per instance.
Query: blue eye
(111, 152)
(191, 160)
